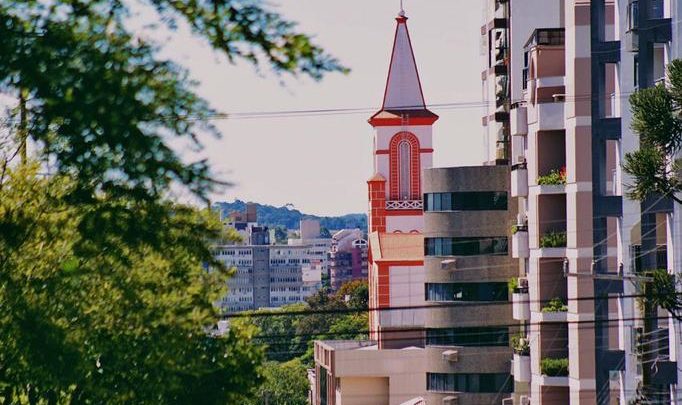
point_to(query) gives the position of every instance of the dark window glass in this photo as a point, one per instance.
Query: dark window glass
(476, 383)
(466, 201)
(465, 246)
(322, 381)
(437, 206)
(466, 291)
(475, 336)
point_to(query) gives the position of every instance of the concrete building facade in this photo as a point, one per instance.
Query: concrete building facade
(584, 242)
(571, 244)
(268, 275)
(468, 218)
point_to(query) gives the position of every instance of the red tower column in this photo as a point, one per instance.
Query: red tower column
(377, 203)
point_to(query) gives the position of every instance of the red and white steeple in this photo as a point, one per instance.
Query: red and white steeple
(402, 143)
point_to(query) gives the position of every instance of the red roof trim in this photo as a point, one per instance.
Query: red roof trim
(403, 213)
(386, 151)
(393, 122)
(388, 262)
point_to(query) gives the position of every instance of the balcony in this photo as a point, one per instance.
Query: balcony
(521, 368)
(520, 242)
(519, 121)
(550, 116)
(521, 305)
(519, 180)
(395, 205)
(549, 317)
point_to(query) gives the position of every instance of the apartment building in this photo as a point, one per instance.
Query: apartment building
(318, 247)
(266, 275)
(580, 241)
(348, 257)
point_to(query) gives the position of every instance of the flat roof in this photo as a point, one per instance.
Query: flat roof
(392, 247)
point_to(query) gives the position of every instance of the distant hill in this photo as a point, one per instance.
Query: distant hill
(289, 217)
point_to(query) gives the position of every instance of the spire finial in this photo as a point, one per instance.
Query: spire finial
(402, 9)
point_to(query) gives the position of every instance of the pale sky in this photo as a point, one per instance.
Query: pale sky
(321, 164)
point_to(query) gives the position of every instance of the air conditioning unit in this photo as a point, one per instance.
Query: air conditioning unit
(451, 400)
(451, 355)
(524, 400)
(449, 264)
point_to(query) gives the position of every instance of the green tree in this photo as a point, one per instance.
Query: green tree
(656, 119)
(111, 318)
(104, 293)
(276, 331)
(356, 292)
(285, 384)
(324, 233)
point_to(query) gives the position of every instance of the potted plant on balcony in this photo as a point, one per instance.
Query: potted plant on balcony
(555, 177)
(554, 367)
(520, 299)
(553, 239)
(516, 228)
(521, 349)
(556, 304)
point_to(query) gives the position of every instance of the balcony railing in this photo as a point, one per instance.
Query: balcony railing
(519, 180)
(404, 205)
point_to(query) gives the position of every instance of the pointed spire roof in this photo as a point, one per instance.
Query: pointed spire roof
(403, 96)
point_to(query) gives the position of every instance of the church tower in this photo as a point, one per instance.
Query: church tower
(402, 143)
(403, 148)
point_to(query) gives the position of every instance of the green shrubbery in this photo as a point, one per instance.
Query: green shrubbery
(553, 239)
(555, 305)
(555, 177)
(554, 367)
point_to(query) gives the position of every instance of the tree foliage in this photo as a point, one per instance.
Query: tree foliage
(289, 331)
(105, 295)
(112, 317)
(661, 291)
(656, 118)
(285, 384)
(104, 105)
(357, 292)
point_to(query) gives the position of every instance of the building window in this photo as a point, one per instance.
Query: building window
(474, 246)
(404, 167)
(322, 383)
(405, 155)
(476, 336)
(466, 292)
(466, 201)
(476, 383)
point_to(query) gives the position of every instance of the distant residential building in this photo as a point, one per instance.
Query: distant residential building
(267, 275)
(309, 228)
(348, 257)
(318, 247)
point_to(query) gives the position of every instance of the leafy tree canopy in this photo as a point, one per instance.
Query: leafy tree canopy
(285, 384)
(104, 105)
(656, 118)
(104, 293)
(108, 318)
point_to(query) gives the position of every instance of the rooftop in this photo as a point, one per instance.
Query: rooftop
(390, 247)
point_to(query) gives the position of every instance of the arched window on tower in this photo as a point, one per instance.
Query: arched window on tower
(404, 167)
(405, 175)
